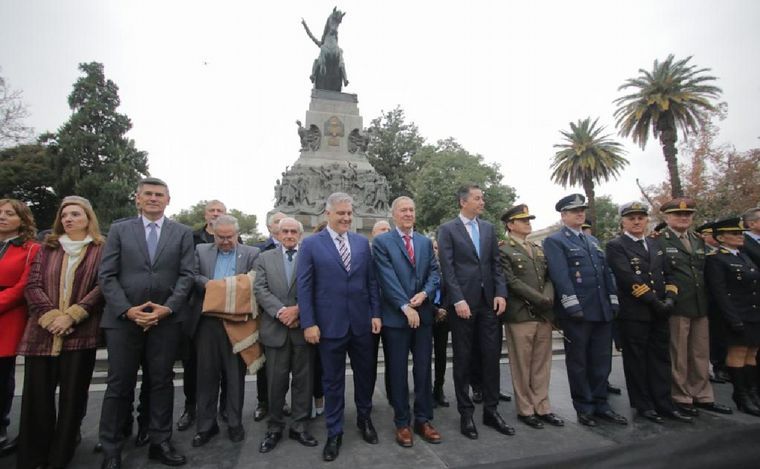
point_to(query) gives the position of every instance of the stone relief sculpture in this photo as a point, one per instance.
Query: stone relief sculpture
(358, 141)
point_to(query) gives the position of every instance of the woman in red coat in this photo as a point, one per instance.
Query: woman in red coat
(17, 251)
(61, 337)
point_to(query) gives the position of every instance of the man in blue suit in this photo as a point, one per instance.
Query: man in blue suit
(476, 294)
(339, 310)
(408, 276)
(585, 303)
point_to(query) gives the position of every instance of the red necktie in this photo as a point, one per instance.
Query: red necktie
(409, 250)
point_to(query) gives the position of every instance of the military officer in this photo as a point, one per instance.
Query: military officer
(689, 329)
(585, 302)
(646, 299)
(528, 321)
(734, 283)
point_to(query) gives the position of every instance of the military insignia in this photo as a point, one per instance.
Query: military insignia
(638, 272)
(333, 129)
(683, 205)
(577, 200)
(671, 288)
(699, 251)
(659, 253)
(578, 278)
(639, 289)
(671, 250)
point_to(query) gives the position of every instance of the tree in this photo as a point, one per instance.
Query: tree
(443, 169)
(392, 146)
(92, 157)
(607, 222)
(673, 95)
(26, 175)
(587, 157)
(13, 111)
(195, 219)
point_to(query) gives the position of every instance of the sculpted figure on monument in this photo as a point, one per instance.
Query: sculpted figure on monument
(328, 71)
(303, 135)
(358, 141)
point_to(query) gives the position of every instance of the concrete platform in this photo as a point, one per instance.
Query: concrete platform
(529, 447)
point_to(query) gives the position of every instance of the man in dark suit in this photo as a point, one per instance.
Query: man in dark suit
(646, 292)
(476, 295)
(217, 363)
(751, 247)
(145, 276)
(407, 273)
(286, 350)
(585, 300)
(339, 309)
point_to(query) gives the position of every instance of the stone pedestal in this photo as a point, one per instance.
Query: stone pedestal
(333, 159)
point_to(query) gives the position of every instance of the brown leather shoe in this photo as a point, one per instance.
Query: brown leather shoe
(404, 437)
(427, 432)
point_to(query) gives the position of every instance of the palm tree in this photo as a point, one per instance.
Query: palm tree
(587, 157)
(673, 95)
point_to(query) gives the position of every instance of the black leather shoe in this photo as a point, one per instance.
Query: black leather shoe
(261, 411)
(201, 438)
(332, 447)
(166, 454)
(367, 430)
(303, 437)
(586, 419)
(494, 420)
(612, 416)
(720, 376)
(142, 437)
(652, 416)
(504, 397)
(613, 389)
(531, 421)
(678, 416)
(111, 463)
(236, 434)
(552, 419)
(714, 407)
(477, 396)
(186, 420)
(467, 427)
(98, 447)
(439, 400)
(270, 441)
(688, 409)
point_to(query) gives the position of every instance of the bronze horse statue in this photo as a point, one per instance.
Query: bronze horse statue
(328, 71)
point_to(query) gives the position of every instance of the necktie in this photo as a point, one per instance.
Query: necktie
(289, 265)
(290, 253)
(345, 254)
(583, 240)
(152, 240)
(475, 236)
(409, 249)
(641, 244)
(528, 249)
(686, 243)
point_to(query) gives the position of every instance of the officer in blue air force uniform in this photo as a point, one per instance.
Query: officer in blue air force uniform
(585, 303)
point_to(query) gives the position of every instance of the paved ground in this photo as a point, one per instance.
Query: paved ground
(455, 451)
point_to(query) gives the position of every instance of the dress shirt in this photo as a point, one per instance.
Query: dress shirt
(334, 234)
(159, 224)
(225, 264)
(753, 235)
(635, 239)
(467, 224)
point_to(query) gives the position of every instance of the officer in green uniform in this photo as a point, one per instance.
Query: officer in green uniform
(528, 319)
(689, 337)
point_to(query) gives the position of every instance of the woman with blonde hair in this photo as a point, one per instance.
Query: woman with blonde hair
(17, 250)
(61, 336)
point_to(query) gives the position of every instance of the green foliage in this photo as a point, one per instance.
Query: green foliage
(91, 155)
(25, 174)
(607, 223)
(445, 167)
(392, 146)
(194, 217)
(587, 157)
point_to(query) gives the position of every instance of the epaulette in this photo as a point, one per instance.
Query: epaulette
(725, 251)
(712, 253)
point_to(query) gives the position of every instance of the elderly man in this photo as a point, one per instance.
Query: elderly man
(339, 310)
(146, 275)
(646, 298)
(475, 294)
(585, 300)
(529, 317)
(380, 227)
(212, 211)
(689, 325)
(216, 361)
(286, 350)
(407, 272)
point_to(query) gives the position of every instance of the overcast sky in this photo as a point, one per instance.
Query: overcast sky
(213, 88)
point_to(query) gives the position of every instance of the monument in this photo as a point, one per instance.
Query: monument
(333, 146)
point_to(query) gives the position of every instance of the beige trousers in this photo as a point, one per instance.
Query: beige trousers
(530, 358)
(690, 360)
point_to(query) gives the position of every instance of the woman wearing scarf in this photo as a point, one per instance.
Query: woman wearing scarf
(61, 336)
(17, 250)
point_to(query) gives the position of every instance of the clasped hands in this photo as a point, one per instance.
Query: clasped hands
(412, 316)
(147, 314)
(463, 309)
(288, 316)
(311, 334)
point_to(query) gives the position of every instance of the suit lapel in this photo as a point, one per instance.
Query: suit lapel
(167, 231)
(465, 235)
(240, 263)
(402, 246)
(676, 242)
(139, 231)
(574, 238)
(210, 261)
(331, 249)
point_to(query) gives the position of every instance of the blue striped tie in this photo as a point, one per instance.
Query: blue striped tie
(475, 235)
(345, 254)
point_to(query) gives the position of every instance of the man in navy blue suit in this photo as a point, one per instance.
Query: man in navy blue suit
(339, 310)
(408, 276)
(476, 294)
(585, 303)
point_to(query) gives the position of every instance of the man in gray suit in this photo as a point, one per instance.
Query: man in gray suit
(286, 350)
(146, 275)
(225, 257)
